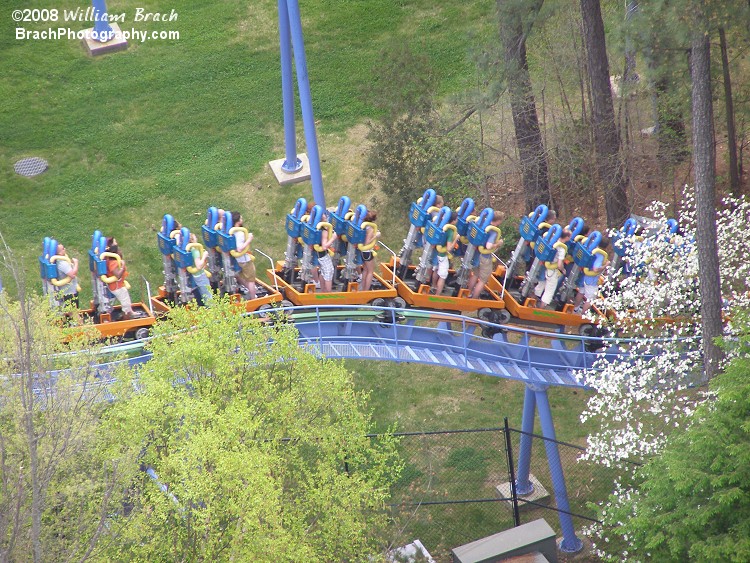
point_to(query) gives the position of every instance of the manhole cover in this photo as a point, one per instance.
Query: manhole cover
(30, 166)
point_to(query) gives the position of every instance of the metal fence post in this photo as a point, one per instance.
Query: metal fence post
(512, 473)
(464, 342)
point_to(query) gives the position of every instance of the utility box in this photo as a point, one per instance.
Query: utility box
(536, 537)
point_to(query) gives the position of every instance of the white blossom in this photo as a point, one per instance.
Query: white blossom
(650, 389)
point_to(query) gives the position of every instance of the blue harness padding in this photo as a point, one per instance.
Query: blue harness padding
(545, 246)
(529, 227)
(418, 214)
(355, 234)
(227, 242)
(309, 231)
(97, 266)
(47, 269)
(293, 223)
(98, 247)
(575, 227)
(583, 256)
(208, 231)
(338, 217)
(166, 244)
(433, 231)
(183, 258)
(476, 233)
(620, 244)
(462, 224)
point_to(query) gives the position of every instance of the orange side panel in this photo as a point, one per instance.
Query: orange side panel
(422, 299)
(352, 297)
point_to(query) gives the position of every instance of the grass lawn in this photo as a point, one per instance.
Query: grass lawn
(423, 398)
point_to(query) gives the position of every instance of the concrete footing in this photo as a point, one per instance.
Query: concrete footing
(95, 47)
(286, 178)
(539, 494)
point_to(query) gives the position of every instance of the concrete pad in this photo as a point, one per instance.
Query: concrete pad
(285, 178)
(411, 553)
(539, 494)
(95, 47)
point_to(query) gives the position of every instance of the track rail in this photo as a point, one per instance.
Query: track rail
(427, 337)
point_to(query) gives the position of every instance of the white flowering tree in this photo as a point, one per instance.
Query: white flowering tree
(651, 390)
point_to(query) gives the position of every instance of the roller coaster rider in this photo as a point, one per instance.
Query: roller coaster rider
(117, 272)
(243, 238)
(464, 211)
(293, 251)
(367, 252)
(199, 275)
(214, 217)
(67, 269)
(420, 213)
(554, 270)
(544, 226)
(591, 277)
(483, 259)
(325, 261)
(309, 241)
(441, 264)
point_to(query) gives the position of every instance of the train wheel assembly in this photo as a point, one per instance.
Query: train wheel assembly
(399, 303)
(141, 333)
(502, 316)
(378, 302)
(485, 314)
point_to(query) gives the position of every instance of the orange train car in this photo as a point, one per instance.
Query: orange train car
(526, 310)
(418, 295)
(113, 325)
(266, 297)
(382, 295)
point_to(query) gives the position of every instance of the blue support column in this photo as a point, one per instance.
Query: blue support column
(291, 163)
(523, 485)
(570, 542)
(305, 98)
(102, 30)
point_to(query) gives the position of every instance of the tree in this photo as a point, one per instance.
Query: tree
(734, 173)
(54, 495)
(256, 448)
(692, 502)
(662, 40)
(411, 148)
(515, 24)
(612, 173)
(644, 397)
(636, 401)
(704, 158)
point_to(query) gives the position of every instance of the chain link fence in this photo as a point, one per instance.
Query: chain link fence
(450, 490)
(446, 494)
